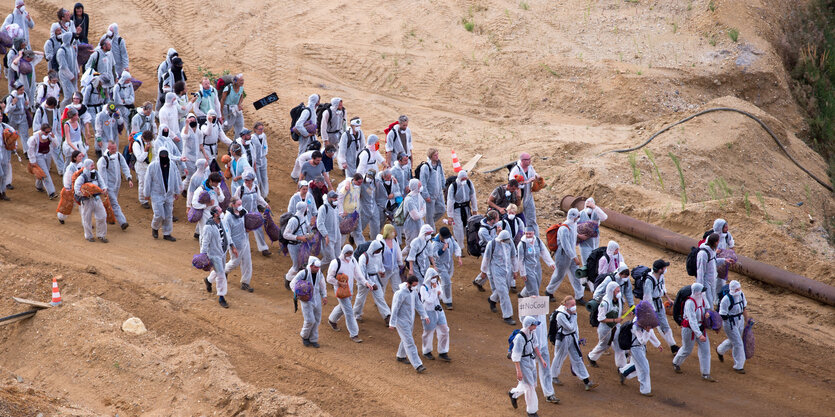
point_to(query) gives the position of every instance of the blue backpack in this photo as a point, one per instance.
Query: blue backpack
(512, 338)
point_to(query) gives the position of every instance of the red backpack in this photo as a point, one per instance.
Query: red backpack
(551, 237)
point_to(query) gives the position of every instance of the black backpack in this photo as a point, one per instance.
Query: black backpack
(418, 168)
(295, 113)
(593, 260)
(678, 305)
(625, 336)
(282, 224)
(554, 328)
(360, 153)
(450, 181)
(602, 277)
(473, 225)
(640, 274)
(690, 264)
(321, 108)
(361, 248)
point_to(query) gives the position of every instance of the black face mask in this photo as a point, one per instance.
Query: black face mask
(165, 133)
(193, 124)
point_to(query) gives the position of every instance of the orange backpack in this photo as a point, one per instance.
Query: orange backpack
(551, 237)
(10, 138)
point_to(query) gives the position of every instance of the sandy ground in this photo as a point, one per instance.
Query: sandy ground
(566, 81)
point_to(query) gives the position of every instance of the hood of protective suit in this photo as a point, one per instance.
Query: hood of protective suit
(170, 55)
(201, 165)
(572, 215)
(301, 208)
(372, 140)
(312, 100)
(163, 126)
(314, 261)
(462, 175)
(335, 102)
(113, 30)
(504, 235)
(430, 275)
(170, 98)
(66, 39)
(414, 186)
(610, 291)
(589, 202)
(696, 288)
(734, 286)
(374, 246)
(125, 78)
(425, 229)
(55, 26)
(211, 112)
(718, 225)
(611, 248)
(529, 321)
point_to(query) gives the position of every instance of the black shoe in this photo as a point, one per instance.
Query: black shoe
(146, 205)
(478, 286)
(306, 342)
(103, 240)
(208, 285)
(333, 326)
(175, 219)
(533, 415)
(592, 363)
(184, 193)
(445, 357)
(420, 369)
(674, 349)
(155, 233)
(53, 196)
(402, 360)
(677, 369)
(10, 187)
(552, 399)
(3, 197)
(513, 290)
(266, 252)
(90, 239)
(387, 320)
(551, 298)
(721, 356)
(169, 238)
(61, 221)
(287, 284)
(492, 305)
(449, 306)
(40, 190)
(510, 321)
(222, 302)
(197, 235)
(739, 371)
(315, 344)
(513, 401)
(124, 225)
(429, 356)
(622, 378)
(246, 287)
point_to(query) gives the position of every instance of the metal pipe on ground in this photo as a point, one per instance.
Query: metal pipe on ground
(746, 266)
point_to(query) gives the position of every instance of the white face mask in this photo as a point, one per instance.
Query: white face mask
(588, 210)
(427, 237)
(507, 193)
(572, 309)
(511, 216)
(333, 203)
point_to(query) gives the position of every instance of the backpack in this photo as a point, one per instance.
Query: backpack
(93, 64)
(554, 328)
(592, 262)
(592, 307)
(473, 225)
(295, 113)
(391, 126)
(512, 338)
(320, 109)
(690, 264)
(282, 224)
(41, 87)
(625, 336)
(304, 288)
(360, 153)
(602, 277)
(223, 81)
(551, 237)
(678, 305)
(725, 292)
(10, 137)
(641, 274)
(399, 215)
(419, 167)
(53, 62)
(361, 248)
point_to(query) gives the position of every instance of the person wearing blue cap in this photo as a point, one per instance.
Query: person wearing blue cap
(524, 352)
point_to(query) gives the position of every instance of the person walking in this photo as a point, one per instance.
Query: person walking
(487, 231)
(392, 259)
(371, 267)
(693, 331)
(706, 265)
(565, 335)
(299, 131)
(638, 364)
(525, 354)
(531, 249)
(404, 304)
(399, 141)
(259, 138)
(524, 173)
(312, 308)
(461, 203)
(143, 153)
(609, 314)
(445, 249)
(654, 289)
(215, 243)
(350, 145)
(296, 232)
(500, 264)
(415, 207)
(39, 150)
(343, 271)
(162, 185)
(211, 187)
(333, 121)
(430, 294)
(65, 204)
(91, 204)
(733, 308)
(112, 166)
(233, 114)
(327, 223)
(419, 253)
(432, 179)
(566, 258)
(234, 218)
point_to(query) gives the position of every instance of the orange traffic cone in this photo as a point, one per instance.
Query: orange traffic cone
(456, 166)
(56, 295)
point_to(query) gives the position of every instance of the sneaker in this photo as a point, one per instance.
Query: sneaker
(10, 187)
(53, 196)
(429, 356)
(40, 190)
(674, 349)
(169, 238)
(315, 344)
(359, 319)
(591, 385)
(552, 399)
(246, 287)
(513, 290)
(478, 286)
(492, 305)
(449, 306)
(445, 357)
(3, 197)
(89, 239)
(124, 226)
(533, 415)
(61, 221)
(155, 233)
(721, 356)
(592, 363)
(739, 371)
(513, 401)
(402, 360)
(420, 369)
(551, 298)
(265, 252)
(387, 320)
(306, 342)
(356, 339)
(677, 369)
(556, 381)
(622, 378)
(222, 302)
(708, 378)
(145, 205)
(287, 284)
(335, 327)
(510, 321)
(208, 285)
(649, 394)
(184, 193)
(103, 240)
(197, 235)
(175, 219)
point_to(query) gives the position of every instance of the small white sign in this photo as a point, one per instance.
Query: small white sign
(533, 306)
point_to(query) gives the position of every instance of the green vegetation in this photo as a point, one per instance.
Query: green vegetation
(468, 25)
(654, 166)
(681, 178)
(205, 72)
(733, 33)
(747, 205)
(711, 6)
(636, 173)
(524, 5)
(550, 70)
